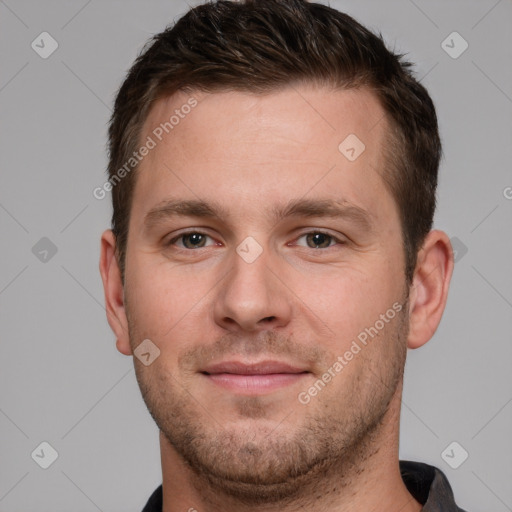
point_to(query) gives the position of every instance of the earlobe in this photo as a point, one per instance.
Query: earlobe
(429, 290)
(114, 292)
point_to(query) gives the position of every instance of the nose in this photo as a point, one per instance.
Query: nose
(252, 297)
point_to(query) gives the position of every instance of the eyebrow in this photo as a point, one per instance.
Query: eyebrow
(295, 208)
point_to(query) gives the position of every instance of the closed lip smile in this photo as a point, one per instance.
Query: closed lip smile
(253, 378)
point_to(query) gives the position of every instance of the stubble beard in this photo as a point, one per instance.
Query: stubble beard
(292, 457)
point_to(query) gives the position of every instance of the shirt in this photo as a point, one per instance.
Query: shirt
(427, 484)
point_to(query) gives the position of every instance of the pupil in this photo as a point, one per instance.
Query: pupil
(319, 239)
(195, 238)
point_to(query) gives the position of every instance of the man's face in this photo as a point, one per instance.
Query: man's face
(254, 305)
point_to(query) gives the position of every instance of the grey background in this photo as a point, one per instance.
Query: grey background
(61, 378)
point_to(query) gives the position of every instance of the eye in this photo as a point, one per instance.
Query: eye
(319, 240)
(190, 240)
(197, 240)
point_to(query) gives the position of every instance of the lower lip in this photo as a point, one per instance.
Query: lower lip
(250, 384)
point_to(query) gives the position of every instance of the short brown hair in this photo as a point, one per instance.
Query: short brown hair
(261, 45)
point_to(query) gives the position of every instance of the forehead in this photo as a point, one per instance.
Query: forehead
(303, 112)
(256, 149)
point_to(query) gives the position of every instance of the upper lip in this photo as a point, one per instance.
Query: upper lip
(259, 368)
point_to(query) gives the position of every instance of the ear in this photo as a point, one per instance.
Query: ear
(114, 292)
(429, 289)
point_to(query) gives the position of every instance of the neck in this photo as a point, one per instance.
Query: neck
(371, 483)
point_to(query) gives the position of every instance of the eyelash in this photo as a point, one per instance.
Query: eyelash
(315, 231)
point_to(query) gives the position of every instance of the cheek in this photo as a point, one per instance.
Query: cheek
(347, 301)
(167, 319)
(165, 303)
